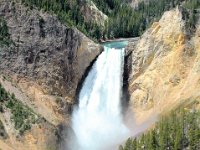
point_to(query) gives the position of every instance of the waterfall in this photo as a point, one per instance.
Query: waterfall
(97, 121)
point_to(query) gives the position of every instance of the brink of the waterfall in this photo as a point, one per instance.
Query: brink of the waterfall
(97, 121)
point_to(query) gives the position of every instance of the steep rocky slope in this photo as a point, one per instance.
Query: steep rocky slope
(92, 14)
(42, 66)
(135, 3)
(165, 66)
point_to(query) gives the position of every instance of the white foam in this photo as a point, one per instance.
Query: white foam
(97, 122)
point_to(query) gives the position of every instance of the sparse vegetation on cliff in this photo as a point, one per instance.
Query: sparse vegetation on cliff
(68, 12)
(22, 116)
(179, 130)
(3, 134)
(4, 34)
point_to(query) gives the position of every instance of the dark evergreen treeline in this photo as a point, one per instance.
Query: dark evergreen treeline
(135, 22)
(177, 131)
(192, 4)
(107, 6)
(126, 22)
(123, 21)
(68, 11)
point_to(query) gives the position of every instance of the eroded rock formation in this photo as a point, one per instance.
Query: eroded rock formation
(43, 67)
(92, 14)
(165, 66)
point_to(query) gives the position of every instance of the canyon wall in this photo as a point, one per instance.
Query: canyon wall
(42, 66)
(165, 65)
(46, 61)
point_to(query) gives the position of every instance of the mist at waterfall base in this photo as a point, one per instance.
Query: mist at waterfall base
(97, 122)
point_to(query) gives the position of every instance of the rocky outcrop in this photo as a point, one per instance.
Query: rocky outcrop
(165, 66)
(45, 50)
(92, 14)
(135, 3)
(43, 65)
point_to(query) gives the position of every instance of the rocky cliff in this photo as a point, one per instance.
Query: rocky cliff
(92, 14)
(135, 3)
(42, 66)
(165, 65)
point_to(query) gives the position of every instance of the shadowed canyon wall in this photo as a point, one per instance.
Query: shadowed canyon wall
(42, 66)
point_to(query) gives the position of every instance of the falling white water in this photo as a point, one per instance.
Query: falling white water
(97, 121)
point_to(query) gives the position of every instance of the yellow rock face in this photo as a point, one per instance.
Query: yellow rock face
(165, 68)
